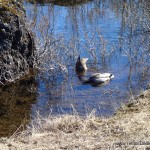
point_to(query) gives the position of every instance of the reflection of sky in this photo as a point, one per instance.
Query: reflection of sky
(74, 22)
(109, 24)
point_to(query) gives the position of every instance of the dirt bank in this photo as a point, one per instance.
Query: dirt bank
(129, 128)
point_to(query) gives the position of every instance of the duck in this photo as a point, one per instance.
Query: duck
(99, 78)
(81, 65)
(94, 79)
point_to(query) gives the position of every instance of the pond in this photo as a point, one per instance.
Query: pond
(114, 35)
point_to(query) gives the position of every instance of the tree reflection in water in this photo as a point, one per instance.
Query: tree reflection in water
(15, 105)
(114, 35)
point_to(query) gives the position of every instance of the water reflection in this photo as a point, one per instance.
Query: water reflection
(112, 34)
(15, 105)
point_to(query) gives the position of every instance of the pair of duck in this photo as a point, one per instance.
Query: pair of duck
(94, 79)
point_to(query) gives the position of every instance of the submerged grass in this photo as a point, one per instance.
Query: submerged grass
(127, 129)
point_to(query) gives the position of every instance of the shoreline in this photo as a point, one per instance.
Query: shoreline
(128, 128)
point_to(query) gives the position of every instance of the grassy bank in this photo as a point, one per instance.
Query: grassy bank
(129, 128)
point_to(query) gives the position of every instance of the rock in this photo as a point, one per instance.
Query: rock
(17, 43)
(60, 2)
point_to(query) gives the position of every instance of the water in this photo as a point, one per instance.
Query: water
(114, 38)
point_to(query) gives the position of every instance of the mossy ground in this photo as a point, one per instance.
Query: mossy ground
(10, 6)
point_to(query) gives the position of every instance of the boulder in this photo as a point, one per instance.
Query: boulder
(16, 42)
(60, 2)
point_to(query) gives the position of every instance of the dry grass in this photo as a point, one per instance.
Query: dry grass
(128, 129)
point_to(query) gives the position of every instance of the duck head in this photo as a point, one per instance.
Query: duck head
(81, 64)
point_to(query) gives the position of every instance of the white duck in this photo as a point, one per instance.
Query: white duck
(94, 79)
(99, 78)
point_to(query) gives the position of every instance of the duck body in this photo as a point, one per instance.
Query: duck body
(99, 78)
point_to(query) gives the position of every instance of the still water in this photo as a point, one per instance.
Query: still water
(114, 35)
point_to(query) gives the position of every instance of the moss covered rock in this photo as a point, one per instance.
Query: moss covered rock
(17, 44)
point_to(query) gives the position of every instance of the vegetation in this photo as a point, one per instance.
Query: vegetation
(9, 5)
(128, 129)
